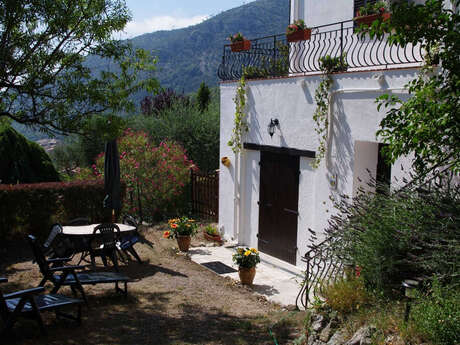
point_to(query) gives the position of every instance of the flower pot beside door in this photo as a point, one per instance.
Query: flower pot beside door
(182, 229)
(247, 275)
(184, 242)
(247, 259)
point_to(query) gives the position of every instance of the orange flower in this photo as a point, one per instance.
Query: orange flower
(166, 234)
(173, 225)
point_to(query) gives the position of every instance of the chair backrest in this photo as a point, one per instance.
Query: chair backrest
(3, 306)
(39, 255)
(130, 220)
(56, 229)
(79, 221)
(108, 233)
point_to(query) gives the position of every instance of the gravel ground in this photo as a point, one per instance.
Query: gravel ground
(171, 301)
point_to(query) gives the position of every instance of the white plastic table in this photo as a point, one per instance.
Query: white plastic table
(87, 230)
(82, 234)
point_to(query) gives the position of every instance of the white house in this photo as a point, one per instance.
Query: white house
(270, 195)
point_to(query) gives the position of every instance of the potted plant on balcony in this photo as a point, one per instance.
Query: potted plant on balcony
(239, 43)
(371, 12)
(247, 259)
(298, 31)
(182, 229)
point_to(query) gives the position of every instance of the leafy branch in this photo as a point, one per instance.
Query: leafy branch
(240, 124)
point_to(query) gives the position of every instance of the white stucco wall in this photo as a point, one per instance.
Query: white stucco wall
(320, 12)
(291, 101)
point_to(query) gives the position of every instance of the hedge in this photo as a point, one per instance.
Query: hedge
(33, 208)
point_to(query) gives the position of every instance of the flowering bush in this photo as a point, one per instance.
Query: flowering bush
(246, 257)
(154, 175)
(238, 37)
(299, 24)
(181, 226)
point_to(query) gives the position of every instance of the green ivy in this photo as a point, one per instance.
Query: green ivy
(240, 124)
(328, 65)
(320, 116)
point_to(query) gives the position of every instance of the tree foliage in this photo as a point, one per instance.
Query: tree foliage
(428, 123)
(23, 161)
(44, 82)
(155, 176)
(163, 100)
(203, 97)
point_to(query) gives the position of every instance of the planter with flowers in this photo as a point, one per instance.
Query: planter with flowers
(212, 234)
(247, 259)
(371, 12)
(298, 31)
(182, 229)
(239, 43)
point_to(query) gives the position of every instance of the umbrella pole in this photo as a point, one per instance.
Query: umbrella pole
(113, 216)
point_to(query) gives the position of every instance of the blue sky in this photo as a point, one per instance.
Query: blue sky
(153, 15)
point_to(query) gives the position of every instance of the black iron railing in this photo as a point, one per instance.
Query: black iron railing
(322, 267)
(273, 56)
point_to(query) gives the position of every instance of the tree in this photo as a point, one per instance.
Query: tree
(44, 82)
(22, 160)
(428, 123)
(203, 97)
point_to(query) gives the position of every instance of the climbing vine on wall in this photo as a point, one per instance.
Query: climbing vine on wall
(320, 116)
(329, 65)
(240, 126)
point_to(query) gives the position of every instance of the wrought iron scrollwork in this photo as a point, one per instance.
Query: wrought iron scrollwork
(274, 56)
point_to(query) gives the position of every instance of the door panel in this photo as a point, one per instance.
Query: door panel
(278, 205)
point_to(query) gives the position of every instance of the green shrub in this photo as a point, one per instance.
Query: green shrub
(400, 235)
(33, 208)
(156, 176)
(438, 316)
(346, 295)
(196, 131)
(22, 160)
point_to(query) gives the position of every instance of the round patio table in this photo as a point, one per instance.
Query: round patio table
(81, 236)
(87, 230)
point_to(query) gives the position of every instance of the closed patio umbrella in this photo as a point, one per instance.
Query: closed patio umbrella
(112, 178)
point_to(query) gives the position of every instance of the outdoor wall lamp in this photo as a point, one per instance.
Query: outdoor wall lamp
(272, 126)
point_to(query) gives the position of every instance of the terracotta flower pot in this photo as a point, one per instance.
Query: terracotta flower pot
(184, 242)
(368, 20)
(247, 275)
(241, 46)
(210, 237)
(299, 35)
(225, 161)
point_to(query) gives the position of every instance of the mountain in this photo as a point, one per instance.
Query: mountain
(191, 55)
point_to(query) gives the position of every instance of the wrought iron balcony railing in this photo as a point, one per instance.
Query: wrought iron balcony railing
(273, 56)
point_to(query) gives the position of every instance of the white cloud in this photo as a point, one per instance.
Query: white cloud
(136, 28)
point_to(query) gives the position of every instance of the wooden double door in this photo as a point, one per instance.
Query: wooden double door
(278, 205)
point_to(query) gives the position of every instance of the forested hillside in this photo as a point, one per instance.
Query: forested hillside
(191, 55)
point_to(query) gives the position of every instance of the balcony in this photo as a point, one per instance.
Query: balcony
(273, 56)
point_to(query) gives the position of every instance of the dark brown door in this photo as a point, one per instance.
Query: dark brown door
(278, 205)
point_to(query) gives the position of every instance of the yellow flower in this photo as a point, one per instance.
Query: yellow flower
(240, 250)
(254, 250)
(247, 253)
